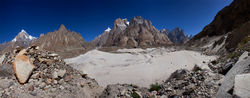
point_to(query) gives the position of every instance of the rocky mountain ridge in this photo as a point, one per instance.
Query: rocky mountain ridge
(64, 42)
(136, 33)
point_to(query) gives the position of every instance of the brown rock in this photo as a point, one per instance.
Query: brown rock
(31, 88)
(22, 67)
(49, 81)
(67, 78)
(64, 42)
(138, 32)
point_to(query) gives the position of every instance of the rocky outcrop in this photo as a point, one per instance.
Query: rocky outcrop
(64, 42)
(242, 86)
(177, 35)
(241, 67)
(136, 33)
(51, 77)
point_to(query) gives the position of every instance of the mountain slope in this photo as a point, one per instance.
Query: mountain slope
(101, 39)
(228, 22)
(64, 42)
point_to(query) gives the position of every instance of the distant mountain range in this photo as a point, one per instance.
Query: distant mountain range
(64, 42)
(137, 32)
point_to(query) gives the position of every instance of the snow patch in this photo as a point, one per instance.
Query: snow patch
(108, 30)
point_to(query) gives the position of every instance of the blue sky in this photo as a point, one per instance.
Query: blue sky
(92, 17)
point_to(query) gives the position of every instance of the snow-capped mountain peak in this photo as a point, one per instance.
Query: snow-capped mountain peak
(108, 29)
(23, 35)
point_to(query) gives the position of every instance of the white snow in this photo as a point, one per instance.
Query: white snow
(23, 35)
(136, 66)
(31, 37)
(108, 30)
(127, 23)
(14, 40)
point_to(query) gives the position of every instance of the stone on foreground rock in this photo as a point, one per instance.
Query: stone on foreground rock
(1, 59)
(242, 86)
(23, 68)
(241, 67)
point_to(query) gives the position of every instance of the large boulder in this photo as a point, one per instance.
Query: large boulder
(22, 67)
(241, 67)
(242, 86)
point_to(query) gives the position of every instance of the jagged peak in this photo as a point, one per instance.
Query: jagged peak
(23, 35)
(121, 23)
(62, 28)
(137, 20)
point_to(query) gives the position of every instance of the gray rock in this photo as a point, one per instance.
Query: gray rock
(6, 70)
(5, 83)
(242, 66)
(243, 56)
(242, 86)
(55, 75)
(61, 73)
(227, 67)
(33, 93)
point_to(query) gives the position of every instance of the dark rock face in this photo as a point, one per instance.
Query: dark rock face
(229, 18)
(136, 33)
(64, 42)
(237, 35)
(232, 20)
(177, 35)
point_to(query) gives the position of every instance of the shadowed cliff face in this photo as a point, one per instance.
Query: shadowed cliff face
(136, 33)
(64, 42)
(229, 20)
